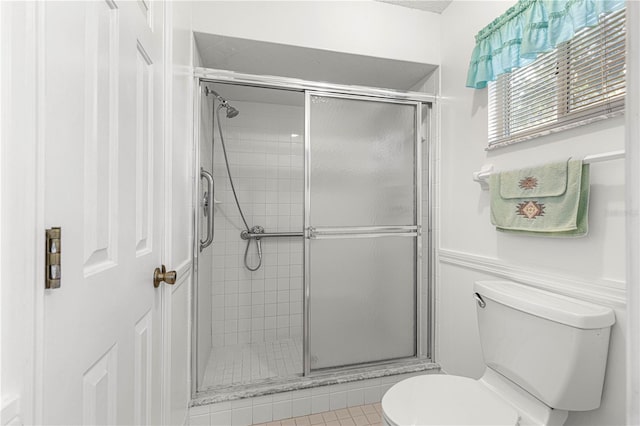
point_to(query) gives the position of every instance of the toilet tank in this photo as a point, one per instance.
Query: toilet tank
(553, 346)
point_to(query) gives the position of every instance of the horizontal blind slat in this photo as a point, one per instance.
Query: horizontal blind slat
(582, 79)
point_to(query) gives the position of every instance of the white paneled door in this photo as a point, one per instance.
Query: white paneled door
(102, 107)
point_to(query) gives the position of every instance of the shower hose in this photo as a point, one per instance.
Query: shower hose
(255, 229)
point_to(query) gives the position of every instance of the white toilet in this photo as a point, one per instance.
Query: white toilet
(545, 355)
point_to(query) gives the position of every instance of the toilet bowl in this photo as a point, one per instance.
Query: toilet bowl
(436, 399)
(440, 399)
(545, 355)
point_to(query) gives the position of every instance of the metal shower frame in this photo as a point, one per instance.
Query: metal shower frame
(421, 100)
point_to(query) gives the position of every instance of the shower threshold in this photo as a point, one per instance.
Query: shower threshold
(271, 386)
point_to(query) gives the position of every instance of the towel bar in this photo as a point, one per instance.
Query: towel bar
(482, 176)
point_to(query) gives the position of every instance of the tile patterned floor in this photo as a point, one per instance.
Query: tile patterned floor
(361, 415)
(245, 363)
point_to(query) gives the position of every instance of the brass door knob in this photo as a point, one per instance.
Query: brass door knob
(161, 274)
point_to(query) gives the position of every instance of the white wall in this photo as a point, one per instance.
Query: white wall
(470, 249)
(358, 27)
(633, 217)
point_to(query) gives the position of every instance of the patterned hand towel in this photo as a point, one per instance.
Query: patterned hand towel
(550, 200)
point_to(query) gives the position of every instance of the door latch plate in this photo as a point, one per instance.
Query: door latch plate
(53, 271)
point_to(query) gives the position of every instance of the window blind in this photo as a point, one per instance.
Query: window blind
(580, 81)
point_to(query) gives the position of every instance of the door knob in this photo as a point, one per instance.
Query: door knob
(161, 274)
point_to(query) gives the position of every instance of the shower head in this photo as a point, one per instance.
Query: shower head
(231, 111)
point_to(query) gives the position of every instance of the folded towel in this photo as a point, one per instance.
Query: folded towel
(550, 200)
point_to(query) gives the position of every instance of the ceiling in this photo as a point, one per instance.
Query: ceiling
(436, 6)
(264, 58)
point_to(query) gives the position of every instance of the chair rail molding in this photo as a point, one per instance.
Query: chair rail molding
(598, 290)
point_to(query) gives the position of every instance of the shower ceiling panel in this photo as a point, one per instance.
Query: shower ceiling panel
(263, 58)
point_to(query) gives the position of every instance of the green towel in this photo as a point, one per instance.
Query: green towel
(550, 200)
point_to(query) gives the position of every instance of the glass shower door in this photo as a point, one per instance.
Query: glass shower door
(361, 227)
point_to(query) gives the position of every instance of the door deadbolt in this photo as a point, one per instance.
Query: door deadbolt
(161, 274)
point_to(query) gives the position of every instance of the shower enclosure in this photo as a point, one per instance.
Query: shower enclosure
(309, 230)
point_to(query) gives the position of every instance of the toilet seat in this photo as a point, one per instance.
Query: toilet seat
(436, 399)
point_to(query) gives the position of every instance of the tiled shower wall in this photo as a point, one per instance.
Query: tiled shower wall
(265, 150)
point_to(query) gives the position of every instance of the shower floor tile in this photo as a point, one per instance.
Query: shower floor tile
(247, 362)
(362, 415)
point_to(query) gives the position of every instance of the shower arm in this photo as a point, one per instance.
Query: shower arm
(208, 92)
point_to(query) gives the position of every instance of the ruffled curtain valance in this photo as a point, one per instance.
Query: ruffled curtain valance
(530, 28)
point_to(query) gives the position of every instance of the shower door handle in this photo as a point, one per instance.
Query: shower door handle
(207, 206)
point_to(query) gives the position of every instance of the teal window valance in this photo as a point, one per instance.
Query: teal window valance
(530, 28)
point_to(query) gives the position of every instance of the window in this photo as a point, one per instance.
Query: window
(583, 80)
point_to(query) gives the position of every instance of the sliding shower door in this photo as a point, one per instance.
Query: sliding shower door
(361, 227)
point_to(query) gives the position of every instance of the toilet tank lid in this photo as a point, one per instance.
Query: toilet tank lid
(554, 307)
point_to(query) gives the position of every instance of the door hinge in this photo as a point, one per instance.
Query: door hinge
(52, 271)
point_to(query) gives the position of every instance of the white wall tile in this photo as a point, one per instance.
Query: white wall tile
(242, 416)
(320, 390)
(319, 403)
(200, 420)
(338, 400)
(244, 337)
(199, 410)
(372, 395)
(241, 403)
(283, 396)
(221, 418)
(301, 407)
(355, 397)
(262, 413)
(282, 410)
(270, 335)
(301, 393)
(385, 388)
